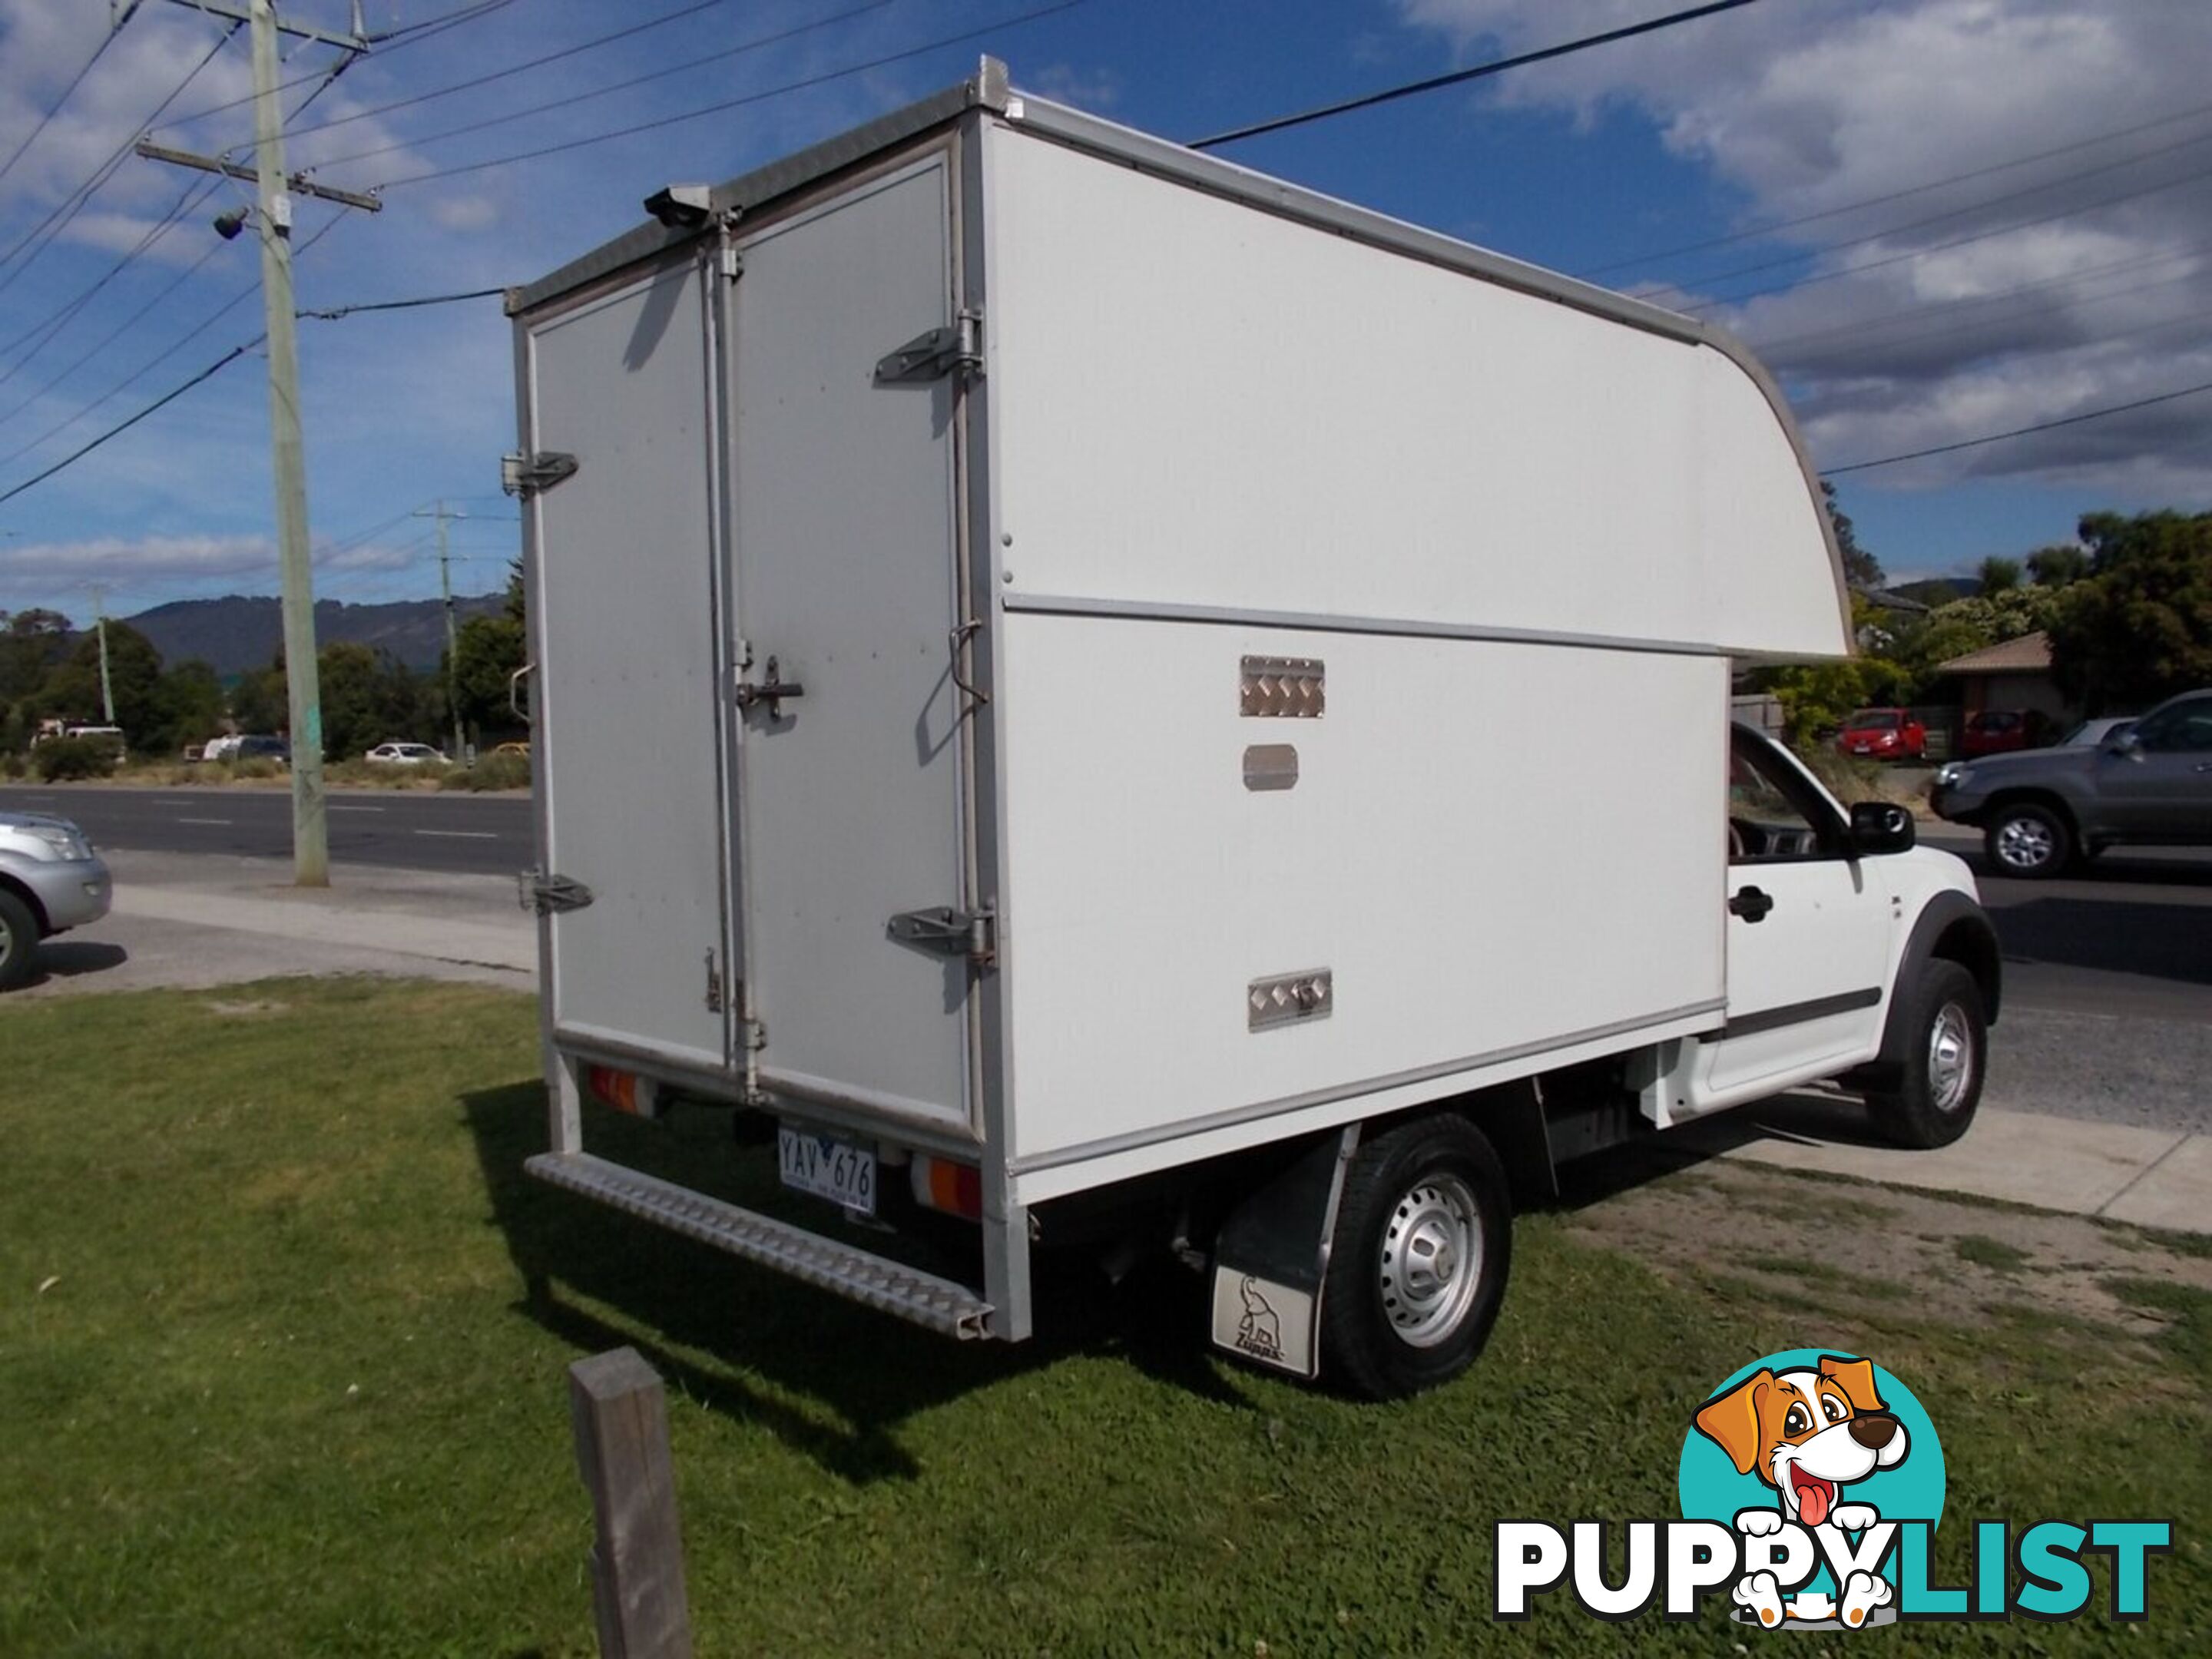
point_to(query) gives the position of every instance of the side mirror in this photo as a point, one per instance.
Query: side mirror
(2126, 746)
(1878, 827)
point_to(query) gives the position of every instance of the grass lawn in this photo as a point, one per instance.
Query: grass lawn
(284, 1335)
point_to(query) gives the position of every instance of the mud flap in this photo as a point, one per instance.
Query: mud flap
(1271, 1257)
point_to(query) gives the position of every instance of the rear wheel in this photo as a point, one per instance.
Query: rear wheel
(2028, 841)
(1418, 1260)
(1945, 1055)
(18, 941)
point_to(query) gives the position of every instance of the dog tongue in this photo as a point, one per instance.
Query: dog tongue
(1813, 1503)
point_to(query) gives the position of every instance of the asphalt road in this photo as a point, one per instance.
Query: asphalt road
(427, 829)
(2132, 936)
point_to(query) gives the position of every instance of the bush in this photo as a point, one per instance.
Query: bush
(57, 760)
(490, 772)
(12, 765)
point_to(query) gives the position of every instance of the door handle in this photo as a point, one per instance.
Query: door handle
(772, 691)
(1752, 904)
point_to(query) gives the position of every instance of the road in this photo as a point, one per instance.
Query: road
(426, 830)
(2132, 935)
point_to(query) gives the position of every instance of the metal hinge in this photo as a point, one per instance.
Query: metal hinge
(970, 933)
(526, 475)
(545, 894)
(942, 352)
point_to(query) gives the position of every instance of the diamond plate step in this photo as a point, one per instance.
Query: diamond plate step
(923, 1299)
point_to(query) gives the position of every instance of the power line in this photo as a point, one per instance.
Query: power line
(338, 312)
(52, 324)
(1999, 437)
(684, 68)
(169, 351)
(1780, 225)
(1945, 247)
(162, 402)
(676, 15)
(1983, 206)
(1498, 66)
(822, 79)
(397, 40)
(1868, 325)
(67, 210)
(75, 81)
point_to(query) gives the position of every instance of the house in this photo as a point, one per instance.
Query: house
(2011, 674)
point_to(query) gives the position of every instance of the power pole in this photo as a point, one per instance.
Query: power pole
(452, 644)
(311, 862)
(100, 623)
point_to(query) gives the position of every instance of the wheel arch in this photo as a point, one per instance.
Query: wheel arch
(1951, 927)
(10, 884)
(2031, 795)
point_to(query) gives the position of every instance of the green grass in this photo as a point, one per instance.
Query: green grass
(294, 1385)
(1992, 1253)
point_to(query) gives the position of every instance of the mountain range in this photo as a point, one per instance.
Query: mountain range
(236, 633)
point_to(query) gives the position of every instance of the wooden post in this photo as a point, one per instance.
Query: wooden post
(620, 1414)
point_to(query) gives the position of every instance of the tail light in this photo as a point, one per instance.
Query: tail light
(626, 1091)
(942, 1184)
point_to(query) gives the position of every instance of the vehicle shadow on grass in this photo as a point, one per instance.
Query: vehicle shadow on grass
(783, 1351)
(1806, 1116)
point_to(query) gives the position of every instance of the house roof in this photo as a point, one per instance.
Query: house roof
(2028, 655)
(1881, 598)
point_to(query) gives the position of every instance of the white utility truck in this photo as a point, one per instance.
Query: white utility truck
(1105, 694)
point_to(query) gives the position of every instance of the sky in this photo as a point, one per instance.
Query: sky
(1934, 219)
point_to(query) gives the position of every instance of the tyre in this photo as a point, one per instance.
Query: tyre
(2028, 841)
(1418, 1262)
(18, 941)
(1945, 1055)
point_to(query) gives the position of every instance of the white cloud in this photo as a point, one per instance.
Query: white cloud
(1945, 314)
(465, 212)
(1092, 89)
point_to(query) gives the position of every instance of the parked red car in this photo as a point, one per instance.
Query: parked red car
(1883, 734)
(2001, 731)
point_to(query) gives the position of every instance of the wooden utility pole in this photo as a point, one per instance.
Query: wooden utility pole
(452, 638)
(311, 861)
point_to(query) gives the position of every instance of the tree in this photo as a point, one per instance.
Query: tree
(1859, 565)
(134, 669)
(31, 645)
(2139, 628)
(2061, 565)
(187, 704)
(260, 702)
(488, 650)
(369, 696)
(1998, 575)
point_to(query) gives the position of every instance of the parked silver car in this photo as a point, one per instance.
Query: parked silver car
(2149, 785)
(50, 881)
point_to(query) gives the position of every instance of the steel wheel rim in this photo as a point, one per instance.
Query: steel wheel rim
(2024, 844)
(6, 942)
(1430, 1260)
(1950, 1057)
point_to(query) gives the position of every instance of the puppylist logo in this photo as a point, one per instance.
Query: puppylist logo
(1811, 1486)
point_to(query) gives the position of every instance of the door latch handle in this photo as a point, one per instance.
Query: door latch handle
(1752, 904)
(772, 691)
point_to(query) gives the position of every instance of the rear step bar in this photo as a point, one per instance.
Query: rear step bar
(925, 1299)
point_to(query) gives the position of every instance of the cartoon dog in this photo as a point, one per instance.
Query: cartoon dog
(1808, 1434)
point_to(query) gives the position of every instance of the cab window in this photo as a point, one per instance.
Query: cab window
(1774, 817)
(2185, 728)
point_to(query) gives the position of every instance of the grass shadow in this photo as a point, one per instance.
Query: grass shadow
(830, 1378)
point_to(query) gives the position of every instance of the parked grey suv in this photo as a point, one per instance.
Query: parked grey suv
(51, 880)
(2040, 810)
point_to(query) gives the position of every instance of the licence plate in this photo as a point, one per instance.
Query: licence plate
(826, 1168)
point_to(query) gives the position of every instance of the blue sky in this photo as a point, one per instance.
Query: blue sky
(2071, 270)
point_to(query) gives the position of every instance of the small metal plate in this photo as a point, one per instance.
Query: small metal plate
(1289, 998)
(1271, 765)
(1284, 688)
(826, 1167)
